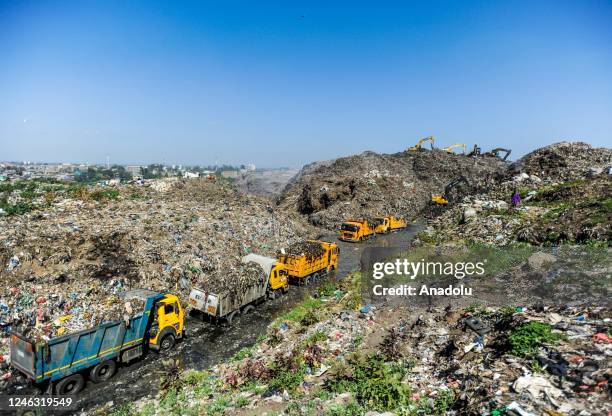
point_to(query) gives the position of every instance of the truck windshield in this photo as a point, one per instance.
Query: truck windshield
(349, 227)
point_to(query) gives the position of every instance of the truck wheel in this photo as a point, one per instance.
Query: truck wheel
(247, 309)
(272, 294)
(232, 316)
(103, 371)
(70, 385)
(308, 280)
(167, 343)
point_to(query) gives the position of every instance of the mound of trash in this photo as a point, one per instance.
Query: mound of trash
(214, 277)
(309, 249)
(68, 256)
(538, 202)
(59, 316)
(371, 184)
(565, 161)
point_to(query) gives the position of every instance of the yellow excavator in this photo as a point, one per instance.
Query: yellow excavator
(450, 148)
(452, 191)
(421, 143)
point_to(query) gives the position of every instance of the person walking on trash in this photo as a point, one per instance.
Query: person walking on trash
(515, 201)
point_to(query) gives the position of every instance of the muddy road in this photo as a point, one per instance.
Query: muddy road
(206, 345)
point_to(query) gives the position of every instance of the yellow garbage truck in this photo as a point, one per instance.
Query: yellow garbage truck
(63, 364)
(308, 260)
(356, 230)
(389, 223)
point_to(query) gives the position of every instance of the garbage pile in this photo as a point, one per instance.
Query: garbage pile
(565, 161)
(165, 235)
(374, 221)
(371, 184)
(537, 361)
(310, 249)
(540, 207)
(472, 354)
(63, 317)
(216, 276)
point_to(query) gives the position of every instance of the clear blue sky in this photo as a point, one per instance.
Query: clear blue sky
(286, 83)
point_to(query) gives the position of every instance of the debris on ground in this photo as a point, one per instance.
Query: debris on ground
(534, 359)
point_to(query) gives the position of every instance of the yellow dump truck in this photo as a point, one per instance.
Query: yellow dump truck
(308, 260)
(388, 224)
(227, 306)
(356, 230)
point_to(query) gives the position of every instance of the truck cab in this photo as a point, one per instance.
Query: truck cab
(350, 231)
(332, 252)
(355, 230)
(396, 223)
(168, 323)
(279, 277)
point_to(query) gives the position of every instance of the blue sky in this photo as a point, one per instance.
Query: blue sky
(287, 83)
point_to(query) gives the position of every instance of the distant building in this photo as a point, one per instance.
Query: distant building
(230, 174)
(134, 170)
(190, 175)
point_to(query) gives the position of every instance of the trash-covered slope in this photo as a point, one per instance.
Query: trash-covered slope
(564, 161)
(68, 255)
(568, 201)
(267, 182)
(371, 184)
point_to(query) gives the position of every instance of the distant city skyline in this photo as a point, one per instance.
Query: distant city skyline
(286, 84)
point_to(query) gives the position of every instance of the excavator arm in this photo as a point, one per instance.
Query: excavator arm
(421, 143)
(450, 148)
(495, 152)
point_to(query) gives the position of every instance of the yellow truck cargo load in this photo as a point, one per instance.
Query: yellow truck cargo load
(228, 305)
(310, 259)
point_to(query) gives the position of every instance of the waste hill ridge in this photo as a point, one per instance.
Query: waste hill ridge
(371, 184)
(564, 161)
(566, 195)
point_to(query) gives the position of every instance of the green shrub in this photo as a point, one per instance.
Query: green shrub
(526, 339)
(286, 377)
(376, 385)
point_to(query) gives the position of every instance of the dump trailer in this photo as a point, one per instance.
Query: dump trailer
(306, 267)
(226, 306)
(356, 230)
(61, 364)
(388, 224)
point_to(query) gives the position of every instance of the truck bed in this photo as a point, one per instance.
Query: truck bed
(221, 305)
(70, 353)
(300, 266)
(67, 354)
